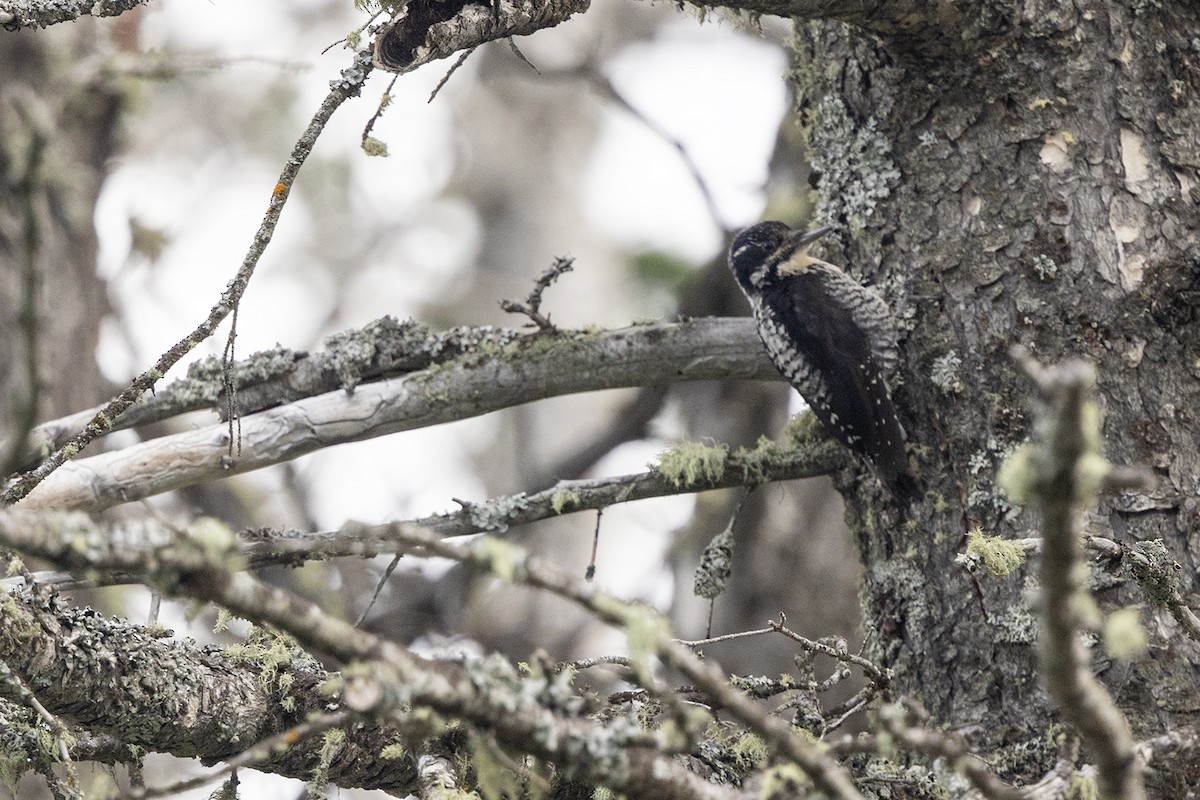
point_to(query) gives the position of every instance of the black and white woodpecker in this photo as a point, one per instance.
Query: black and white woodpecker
(832, 338)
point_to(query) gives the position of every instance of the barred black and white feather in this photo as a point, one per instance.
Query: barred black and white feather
(832, 338)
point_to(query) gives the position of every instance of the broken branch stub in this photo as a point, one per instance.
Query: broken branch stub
(426, 30)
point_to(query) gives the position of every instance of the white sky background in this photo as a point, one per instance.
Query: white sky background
(209, 201)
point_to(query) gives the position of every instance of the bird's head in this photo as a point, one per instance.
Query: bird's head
(757, 251)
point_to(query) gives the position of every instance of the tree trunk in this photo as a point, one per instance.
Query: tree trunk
(57, 127)
(1019, 174)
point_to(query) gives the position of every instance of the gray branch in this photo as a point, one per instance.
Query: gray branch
(17, 14)
(382, 348)
(273, 547)
(532, 368)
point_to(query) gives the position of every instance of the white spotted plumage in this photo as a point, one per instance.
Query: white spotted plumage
(832, 338)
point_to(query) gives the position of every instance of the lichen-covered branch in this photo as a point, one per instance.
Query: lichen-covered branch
(131, 684)
(382, 348)
(265, 546)
(1064, 472)
(426, 30)
(534, 714)
(1157, 573)
(649, 636)
(951, 747)
(17, 14)
(492, 378)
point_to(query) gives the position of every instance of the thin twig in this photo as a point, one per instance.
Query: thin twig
(590, 572)
(385, 100)
(512, 44)
(729, 637)
(881, 676)
(458, 62)
(533, 303)
(588, 663)
(379, 584)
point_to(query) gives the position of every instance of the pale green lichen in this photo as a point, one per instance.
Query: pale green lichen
(271, 652)
(493, 778)
(214, 538)
(332, 743)
(749, 751)
(1090, 471)
(645, 631)
(1018, 475)
(562, 498)
(689, 462)
(999, 556)
(805, 433)
(375, 148)
(500, 558)
(781, 782)
(1124, 637)
(495, 514)
(392, 752)
(1082, 788)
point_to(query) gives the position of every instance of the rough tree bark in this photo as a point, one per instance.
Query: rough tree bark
(1018, 173)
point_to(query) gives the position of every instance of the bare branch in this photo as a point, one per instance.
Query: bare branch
(532, 307)
(531, 370)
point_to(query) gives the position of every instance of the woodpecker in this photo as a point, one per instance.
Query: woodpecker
(832, 338)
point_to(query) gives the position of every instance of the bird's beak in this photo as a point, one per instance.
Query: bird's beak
(800, 239)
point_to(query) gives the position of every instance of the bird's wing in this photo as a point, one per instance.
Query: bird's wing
(833, 322)
(869, 311)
